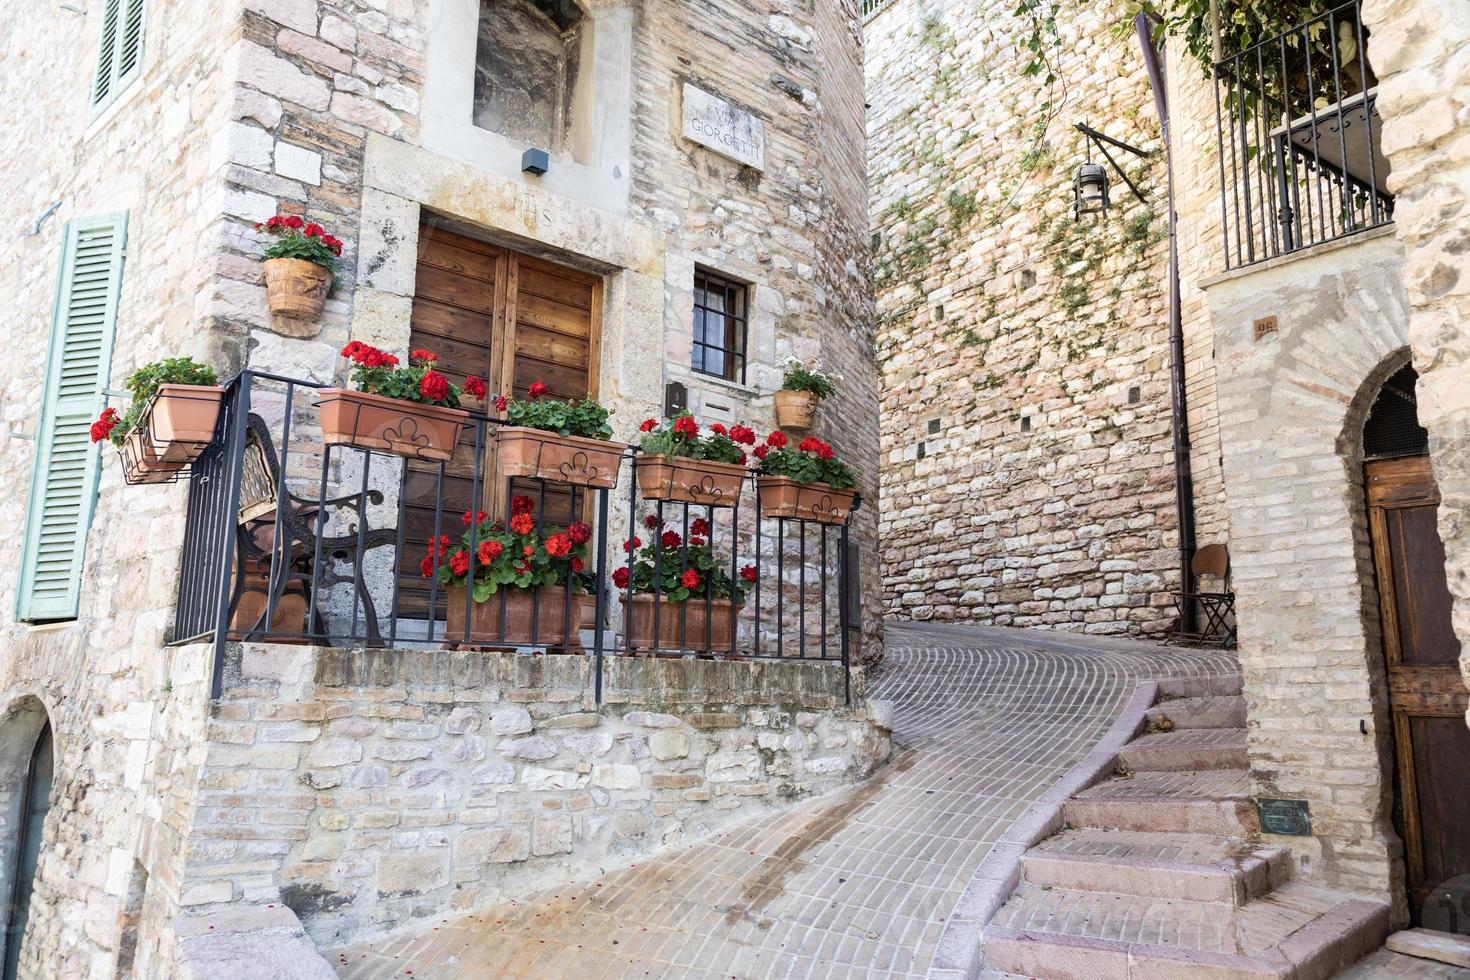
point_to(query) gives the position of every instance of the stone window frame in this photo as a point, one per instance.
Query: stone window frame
(596, 166)
(737, 327)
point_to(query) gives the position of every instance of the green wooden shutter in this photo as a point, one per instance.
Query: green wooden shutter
(119, 51)
(64, 484)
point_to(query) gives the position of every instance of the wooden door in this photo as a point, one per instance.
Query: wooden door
(1427, 696)
(509, 318)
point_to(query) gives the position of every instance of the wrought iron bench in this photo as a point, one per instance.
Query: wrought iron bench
(276, 572)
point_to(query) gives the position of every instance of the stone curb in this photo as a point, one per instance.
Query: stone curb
(958, 954)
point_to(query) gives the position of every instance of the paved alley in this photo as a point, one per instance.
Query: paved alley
(857, 884)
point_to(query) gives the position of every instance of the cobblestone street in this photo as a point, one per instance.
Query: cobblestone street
(857, 884)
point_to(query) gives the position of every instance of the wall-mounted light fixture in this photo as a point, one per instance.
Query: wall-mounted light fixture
(535, 162)
(1090, 186)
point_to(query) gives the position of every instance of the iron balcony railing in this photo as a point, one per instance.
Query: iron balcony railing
(1298, 129)
(288, 540)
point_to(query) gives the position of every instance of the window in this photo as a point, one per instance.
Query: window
(526, 69)
(64, 484)
(719, 326)
(120, 53)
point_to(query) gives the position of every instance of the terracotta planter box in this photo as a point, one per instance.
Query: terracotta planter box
(820, 502)
(553, 629)
(706, 625)
(296, 289)
(795, 409)
(694, 481)
(355, 418)
(562, 459)
(180, 419)
(142, 464)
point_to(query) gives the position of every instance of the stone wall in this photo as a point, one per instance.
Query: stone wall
(1028, 471)
(1292, 408)
(1419, 52)
(367, 789)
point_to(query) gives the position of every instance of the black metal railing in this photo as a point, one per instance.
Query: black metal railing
(871, 7)
(1298, 128)
(290, 540)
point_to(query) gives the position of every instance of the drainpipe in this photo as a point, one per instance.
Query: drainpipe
(1183, 474)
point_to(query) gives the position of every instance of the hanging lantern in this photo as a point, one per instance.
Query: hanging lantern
(1090, 190)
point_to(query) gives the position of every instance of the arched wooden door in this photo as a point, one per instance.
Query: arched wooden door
(512, 319)
(35, 803)
(1427, 695)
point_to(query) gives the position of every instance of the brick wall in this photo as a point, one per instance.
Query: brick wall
(369, 789)
(1028, 473)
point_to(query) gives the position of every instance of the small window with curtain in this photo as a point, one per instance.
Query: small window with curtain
(719, 326)
(119, 51)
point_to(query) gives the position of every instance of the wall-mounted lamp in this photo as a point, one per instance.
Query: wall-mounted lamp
(1090, 186)
(535, 162)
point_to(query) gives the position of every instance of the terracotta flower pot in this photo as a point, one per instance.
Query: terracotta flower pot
(820, 502)
(696, 624)
(142, 463)
(694, 481)
(297, 289)
(583, 462)
(412, 429)
(795, 409)
(180, 419)
(553, 628)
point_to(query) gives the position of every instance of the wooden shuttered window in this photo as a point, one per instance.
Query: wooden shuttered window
(120, 51)
(64, 483)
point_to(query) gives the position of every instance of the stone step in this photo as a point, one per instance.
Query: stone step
(1186, 751)
(1431, 944)
(1388, 965)
(1179, 866)
(1218, 685)
(1213, 802)
(1297, 931)
(1217, 711)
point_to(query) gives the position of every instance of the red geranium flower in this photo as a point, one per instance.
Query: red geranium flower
(776, 440)
(748, 573)
(577, 564)
(696, 542)
(522, 504)
(434, 387)
(718, 429)
(824, 451)
(671, 539)
(427, 566)
(648, 425)
(106, 422)
(620, 578)
(810, 444)
(528, 550)
(743, 435)
(686, 426)
(537, 390)
(522, 524)
(760, 451)
(633, 543)
(293, 221)
(690, 579)
(580, 532)
(699, 526)
(651, 521)
(478, 517)
(314, 230)
(459, 562)
(335, 244)
(501, 403)
(423, 356)
(274, 222)
(475, 387)
(558, 546)
(490, 550)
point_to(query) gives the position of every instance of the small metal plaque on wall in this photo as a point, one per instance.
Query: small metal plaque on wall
(1288, 817)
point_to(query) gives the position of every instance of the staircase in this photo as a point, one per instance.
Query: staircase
(1158, 872)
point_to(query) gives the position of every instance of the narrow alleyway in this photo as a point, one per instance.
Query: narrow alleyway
(858, 884)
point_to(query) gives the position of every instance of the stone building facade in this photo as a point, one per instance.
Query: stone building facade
(1028, 471)
(1286, 357)
(362, 114)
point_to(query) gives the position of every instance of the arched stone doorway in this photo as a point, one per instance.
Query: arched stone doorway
(26, 773)
(1426, 696)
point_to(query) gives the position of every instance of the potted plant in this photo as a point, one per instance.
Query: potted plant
(807, 482)
(675, 462)
(509, 584)
(551, 439)
(801, 389)
(299, 266)
(689, 585)
(412, 411)
(171, 419)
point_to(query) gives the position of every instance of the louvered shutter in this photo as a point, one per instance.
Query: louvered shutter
(64, 484)
(119, 50)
